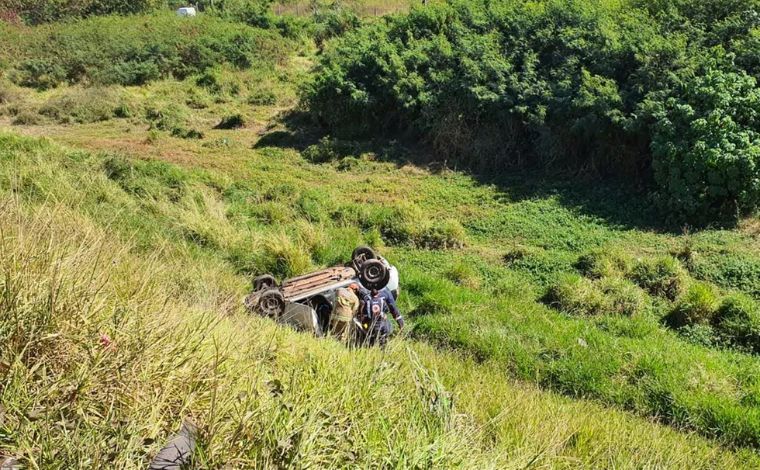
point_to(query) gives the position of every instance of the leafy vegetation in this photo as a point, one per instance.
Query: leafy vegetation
(611, 87)
(130, 233)
(44, 11)
(133, 51)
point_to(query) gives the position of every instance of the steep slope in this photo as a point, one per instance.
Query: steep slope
(111, 336)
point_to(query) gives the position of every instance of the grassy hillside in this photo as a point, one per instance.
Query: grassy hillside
(114, 335)
(553, 322)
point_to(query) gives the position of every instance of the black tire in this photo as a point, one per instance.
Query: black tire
(362, 254)
(373, 274)
(272, 303)
(266, 281)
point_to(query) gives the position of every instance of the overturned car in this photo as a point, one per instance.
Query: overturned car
(306, 302)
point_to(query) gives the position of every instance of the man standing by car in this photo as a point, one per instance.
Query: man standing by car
(376, 307)
(346, 308)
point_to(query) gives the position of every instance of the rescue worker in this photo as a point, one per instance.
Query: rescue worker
(375, 309)
(346, 308)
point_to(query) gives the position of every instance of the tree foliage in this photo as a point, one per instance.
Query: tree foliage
(660, 90)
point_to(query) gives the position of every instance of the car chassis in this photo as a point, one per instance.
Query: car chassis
(306, 302)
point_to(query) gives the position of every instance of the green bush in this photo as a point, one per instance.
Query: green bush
(580, 296)
(333, 22)
(706, 147)
(662, 277)
(271, 213)
(38, 73)
(314, 205)
(253, 12)
(135, 50)
(614, 87)
(739, 271)
(7, 93)
(221, 82)
(698, 333)
(696, 307)
(397, 224)
(737, 321)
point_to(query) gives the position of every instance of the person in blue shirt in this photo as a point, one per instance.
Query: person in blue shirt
(376, 306)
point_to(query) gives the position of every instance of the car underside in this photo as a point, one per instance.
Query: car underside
(306, 302)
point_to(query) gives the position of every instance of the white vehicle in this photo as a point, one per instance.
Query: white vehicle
(186, 11)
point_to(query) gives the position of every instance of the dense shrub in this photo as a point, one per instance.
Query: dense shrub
(731, 270)
(11, 100)
(397, 224)
(26, 117)
(604, 86)
(254, 12)
(314, 205)
(706, 147)
(663, 277)
(737, 321)
(333, 22)
(167, 117)
(135, 50)
(262, 96)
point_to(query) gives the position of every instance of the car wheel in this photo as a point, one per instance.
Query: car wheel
(362, 254)
(272, 303)
(267, 281)
(373, 274)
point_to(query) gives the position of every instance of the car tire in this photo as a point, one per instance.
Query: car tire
(373, 274)
(266, 281)
(362, 254)
(272, 303)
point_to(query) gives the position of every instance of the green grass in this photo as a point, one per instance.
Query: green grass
(86, 254)
(116, 224)
(634, 363)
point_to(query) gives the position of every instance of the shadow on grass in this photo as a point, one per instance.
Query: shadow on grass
(623, 203)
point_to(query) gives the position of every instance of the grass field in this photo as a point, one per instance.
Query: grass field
(133, 217)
